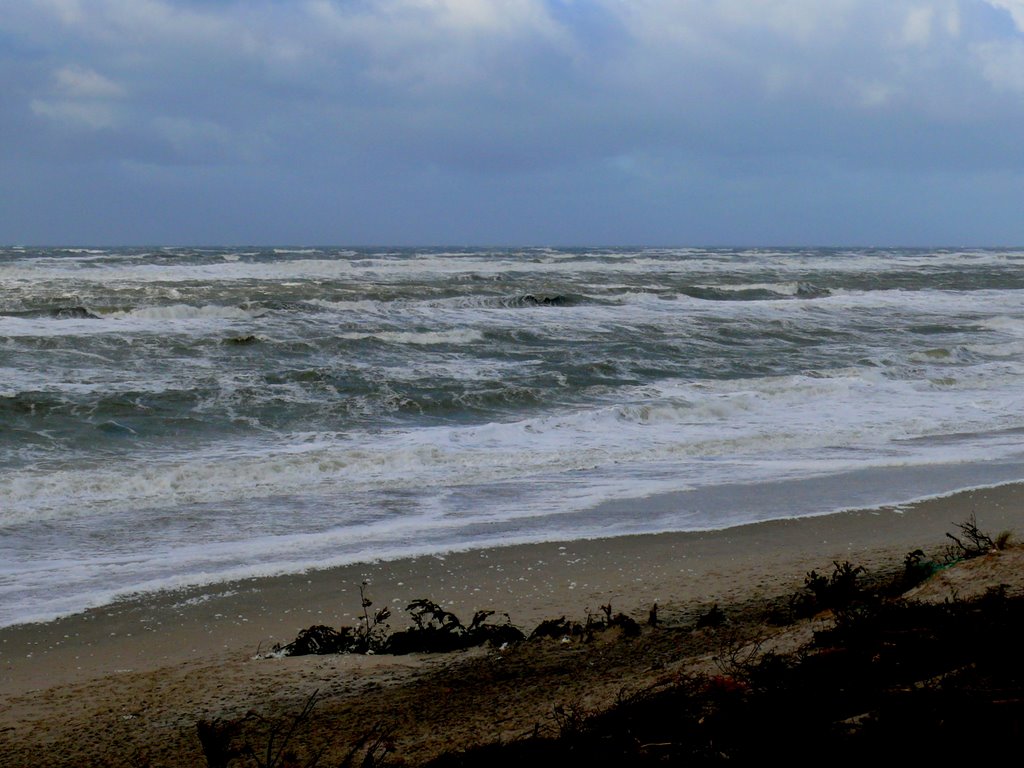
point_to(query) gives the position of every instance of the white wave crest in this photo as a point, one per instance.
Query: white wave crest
(763, 421)
(1013, 325)
(363, 306)
(792, 288)
(425, 338)
(182, 312)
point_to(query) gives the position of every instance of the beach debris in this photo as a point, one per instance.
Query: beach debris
(320, 639)
(368, 636)
(626, 625)
(972, 542)
(715, 617)
(558, 629)
(566, 631)
(436, 630)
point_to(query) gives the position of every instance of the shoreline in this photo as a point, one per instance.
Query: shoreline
(530, 582)
(36, 593)
(808, 498)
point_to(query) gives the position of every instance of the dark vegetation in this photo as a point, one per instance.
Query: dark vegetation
(914, 683)
(436, 630)
(225, 741)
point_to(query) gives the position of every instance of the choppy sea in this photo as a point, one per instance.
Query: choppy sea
(177, 416)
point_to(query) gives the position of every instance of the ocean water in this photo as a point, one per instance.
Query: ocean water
(177, 416)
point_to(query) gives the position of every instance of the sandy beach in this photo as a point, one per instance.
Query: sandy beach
(126, 683)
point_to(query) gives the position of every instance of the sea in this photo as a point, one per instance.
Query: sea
(181, 416)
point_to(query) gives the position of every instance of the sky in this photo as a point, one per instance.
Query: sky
(512, 122)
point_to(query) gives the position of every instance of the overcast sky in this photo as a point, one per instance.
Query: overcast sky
(560, 122)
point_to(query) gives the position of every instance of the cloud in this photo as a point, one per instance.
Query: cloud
(79, 113)
(917, 26)
(67, 11)
(564, 98)
(198, 142)
(796, 48)
(499, 61)
(508, 19)
(80, 97)
(422, 45)
(82, 83)
(1014, 7)
(873, 94)
(1003, 64)
(138, 22)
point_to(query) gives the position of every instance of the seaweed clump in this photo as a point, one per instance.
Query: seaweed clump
(437, 630)
(434, 630)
